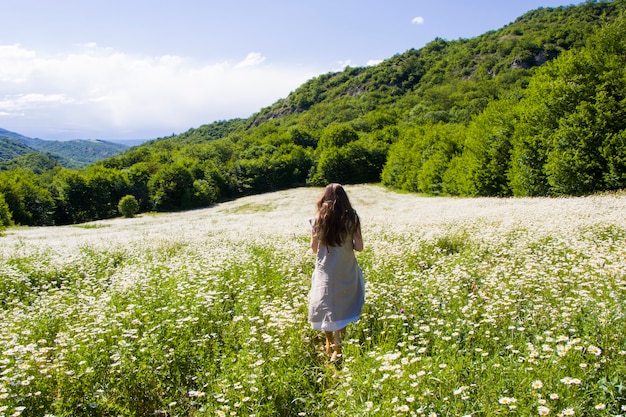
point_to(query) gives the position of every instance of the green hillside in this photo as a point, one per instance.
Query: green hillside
(69, 154)
(81, 151)
(16, 153)
(535, 108)
(36, 162)
(11, 148)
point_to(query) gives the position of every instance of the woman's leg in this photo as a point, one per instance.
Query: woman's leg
(337, 344)
(329, 342)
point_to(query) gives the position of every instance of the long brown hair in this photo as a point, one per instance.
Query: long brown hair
(336, 219)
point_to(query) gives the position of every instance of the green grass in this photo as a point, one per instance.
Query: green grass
(253, 208)
(91, 226)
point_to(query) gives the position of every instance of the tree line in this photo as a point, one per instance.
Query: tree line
(533, 109)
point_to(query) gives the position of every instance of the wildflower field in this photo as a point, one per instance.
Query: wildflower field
(474, 307)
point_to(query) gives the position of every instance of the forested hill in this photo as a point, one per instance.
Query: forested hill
(17, 150)
(533, 108)
(451, 80)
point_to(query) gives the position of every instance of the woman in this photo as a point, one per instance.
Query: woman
(337, 289)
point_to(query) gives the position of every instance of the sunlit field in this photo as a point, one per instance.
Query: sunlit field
(474, 307)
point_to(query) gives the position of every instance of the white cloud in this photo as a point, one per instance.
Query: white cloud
(372, 62)
(252, 59)
(15, 64)
(418, 20)
(102, 93)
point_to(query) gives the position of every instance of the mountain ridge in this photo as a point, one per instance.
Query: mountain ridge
(75, 153)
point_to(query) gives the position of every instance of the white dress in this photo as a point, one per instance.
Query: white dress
(337, 290)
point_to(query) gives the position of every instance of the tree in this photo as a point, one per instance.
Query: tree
(5, 214)
(302, 137)
(205, 192)
(268, 167)
(365, 160)
(442, 144)
(171, 187)
(332, 166)
(401, 161)
(71, 193)
(614, 150)
(419, 161)
(337, 136)
(138, 177)
(484, 164)
(29, 201)
(105, 187)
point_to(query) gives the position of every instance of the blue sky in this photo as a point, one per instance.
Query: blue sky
(141, 69)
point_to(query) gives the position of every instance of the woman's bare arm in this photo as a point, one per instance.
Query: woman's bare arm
(357, 240)
(314, 242)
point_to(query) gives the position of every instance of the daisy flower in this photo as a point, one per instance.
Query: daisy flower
(594, 350)
(506, 400)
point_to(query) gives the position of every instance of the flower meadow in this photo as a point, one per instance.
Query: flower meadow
(474, 307)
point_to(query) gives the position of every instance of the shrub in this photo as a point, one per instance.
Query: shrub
(128, 206)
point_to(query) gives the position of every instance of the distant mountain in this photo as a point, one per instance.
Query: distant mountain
(71, 154)
(13, 135)
(11, 148)
(82, 151)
